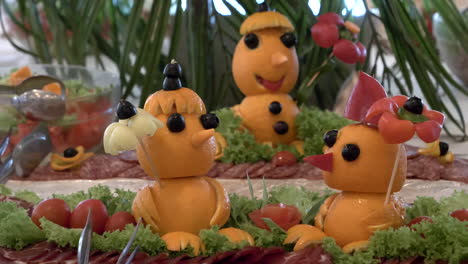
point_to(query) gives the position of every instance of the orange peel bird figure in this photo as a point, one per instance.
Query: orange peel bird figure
(178, 154)
(265, 68)
(367, 163)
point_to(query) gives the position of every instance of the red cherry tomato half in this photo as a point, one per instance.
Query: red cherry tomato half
(461, 215)
(362, 52)
(54, 210)
(428, 131)
(284, 158)
(331, 18)
(418, 220)
(346, 51)
(325, 35)
(284, 216)
(394, 130)
(99, 215)
(118, 221)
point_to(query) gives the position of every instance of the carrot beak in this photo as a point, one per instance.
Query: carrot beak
(202, 136)
(278, 59)
(323, 162)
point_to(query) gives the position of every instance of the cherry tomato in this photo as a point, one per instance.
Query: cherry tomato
(461, 215)
(99, 215)
(118, 221)
(325, 35)
(379, 107)
(434, 115)
(400, 100)
(54, 210)
(284, 216)
(362, 52)
(346, 51)
(428, 131)
(418, 220)
(331, 18)
(394, 130)
(284, 158)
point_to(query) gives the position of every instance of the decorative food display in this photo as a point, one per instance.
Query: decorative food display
(88, 107)
(178, 155)
(265, 69)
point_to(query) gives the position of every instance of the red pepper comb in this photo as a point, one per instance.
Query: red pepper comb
(366, 92)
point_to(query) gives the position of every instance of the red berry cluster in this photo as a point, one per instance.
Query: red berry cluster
(332, 31)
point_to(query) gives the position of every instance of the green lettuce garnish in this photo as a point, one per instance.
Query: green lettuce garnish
(312, 123)
(28, 196)
(117, 200)
(148, 241)
(428, 206)
(5, 190)
(215, 242)
(305, 200)
(16, 228)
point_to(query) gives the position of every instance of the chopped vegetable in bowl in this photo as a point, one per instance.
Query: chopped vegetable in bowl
(90, 97)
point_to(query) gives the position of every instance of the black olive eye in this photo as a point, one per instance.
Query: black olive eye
(444, 148)
(209, 121)
(330, 137)
(125, 110)
(70, 153)
(251, 41)
(414, 105)
(350, 152)
(176, 122)
(288, 39)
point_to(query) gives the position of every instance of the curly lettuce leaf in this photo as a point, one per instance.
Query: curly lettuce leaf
(5, 190)
(117, 200)
(312, 123)
(228, 121)
(263, 237)
(60, 235)
(428, 206)
(148, 241)
(301, 198)
(241, 206)
(28, 196)
(215, 242)
(16, 228)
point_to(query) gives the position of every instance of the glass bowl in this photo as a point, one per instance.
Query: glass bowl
(90, 107)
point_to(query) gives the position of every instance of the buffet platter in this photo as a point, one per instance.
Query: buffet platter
(411, 190)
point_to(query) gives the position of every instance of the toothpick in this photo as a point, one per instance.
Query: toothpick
(150, 162)
(392, 179)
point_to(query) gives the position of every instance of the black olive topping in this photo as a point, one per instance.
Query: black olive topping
(251, 41)
(444, 148)
(125, 110)
(263, 7)
(275, 107)
(350, 152)
(288, 39)
(209, 121)
(176, 123)
(330, 138)
(281, 127)
(172, 73)
(70, 153)
(414, 105)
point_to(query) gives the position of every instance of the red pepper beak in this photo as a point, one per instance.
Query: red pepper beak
(323, 162)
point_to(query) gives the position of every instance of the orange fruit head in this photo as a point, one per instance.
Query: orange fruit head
(372, 169)
(269, 62)
(189, 152)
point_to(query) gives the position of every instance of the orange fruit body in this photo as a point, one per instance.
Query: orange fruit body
(256, 117)
(372, 170)
(183, 204)
(346, 218)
